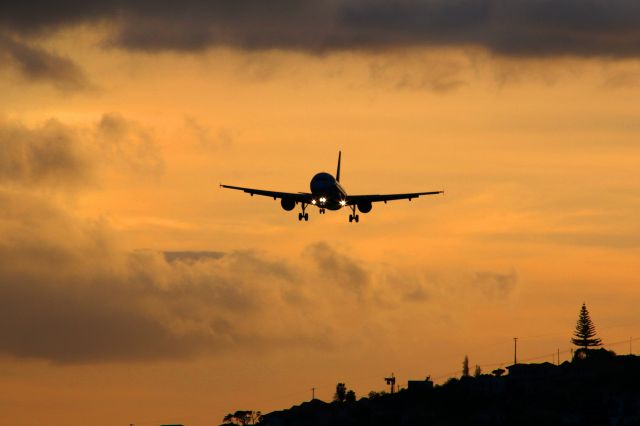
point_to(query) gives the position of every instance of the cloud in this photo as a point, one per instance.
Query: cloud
(50, 155)
(129, 146)
(611, 239)
(55, 155)
(207, 141)
(70, 294)
(35, 64)
(512, 28)
(191, 256)
(495, 285)
(433, 71)
(337, 267)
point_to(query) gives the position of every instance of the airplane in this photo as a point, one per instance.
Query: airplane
(327, 193)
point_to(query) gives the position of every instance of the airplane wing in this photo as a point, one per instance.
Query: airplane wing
(374, 198)
(300, 197)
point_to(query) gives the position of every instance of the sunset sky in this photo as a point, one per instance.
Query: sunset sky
(133, 290)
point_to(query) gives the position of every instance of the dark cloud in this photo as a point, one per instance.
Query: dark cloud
(58, 155)
(50, 322)
(437, 73)
(38, 65)
(50, 154)
(191, 256)
(69, 294)
(507, 27)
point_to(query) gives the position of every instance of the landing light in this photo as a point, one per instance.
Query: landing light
(343, 203)
(323, 200)
(313, 202)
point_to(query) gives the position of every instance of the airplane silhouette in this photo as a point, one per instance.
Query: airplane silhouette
(327, 193)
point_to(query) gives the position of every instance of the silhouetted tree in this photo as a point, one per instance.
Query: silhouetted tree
(584, 336)
(465, 367)
(350, 396)
(243, 417)
(477, 372)
(498, 372)
(374, 394)
(341, 392)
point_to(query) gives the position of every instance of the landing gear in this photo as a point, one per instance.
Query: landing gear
(354, 216)
(303, 215)
(322, 211)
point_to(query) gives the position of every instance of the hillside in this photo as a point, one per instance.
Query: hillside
(601, 389)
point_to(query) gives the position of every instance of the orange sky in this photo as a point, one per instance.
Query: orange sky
(106, 166)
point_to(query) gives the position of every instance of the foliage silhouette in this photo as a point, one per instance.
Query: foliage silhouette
(350, 396)
(374, 394)
(498, 372)
(243, 418)
(465, 367)
(341, 392)
(477, 372)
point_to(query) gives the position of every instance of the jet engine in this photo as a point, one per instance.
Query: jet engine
(365, 206)
(288, 204)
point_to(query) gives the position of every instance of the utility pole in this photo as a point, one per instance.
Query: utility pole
(313, 393)
(630, 340)
(515, 350)
(558, 355)
(391, 381)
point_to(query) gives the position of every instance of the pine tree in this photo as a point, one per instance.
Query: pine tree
(584, 336)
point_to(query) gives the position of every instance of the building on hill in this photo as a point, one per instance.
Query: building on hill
(420, 385)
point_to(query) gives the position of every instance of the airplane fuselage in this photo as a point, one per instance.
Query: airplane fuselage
(327, 192)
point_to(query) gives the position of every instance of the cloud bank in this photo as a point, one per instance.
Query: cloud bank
(506, 27)
(70, 294)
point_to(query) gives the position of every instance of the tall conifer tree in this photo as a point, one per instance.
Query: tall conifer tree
(584, 336)
(465, 367)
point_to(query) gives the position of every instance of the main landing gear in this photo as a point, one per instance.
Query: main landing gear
(303, 215)
(354, 216)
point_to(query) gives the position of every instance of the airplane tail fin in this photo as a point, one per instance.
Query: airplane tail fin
(338, 171)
